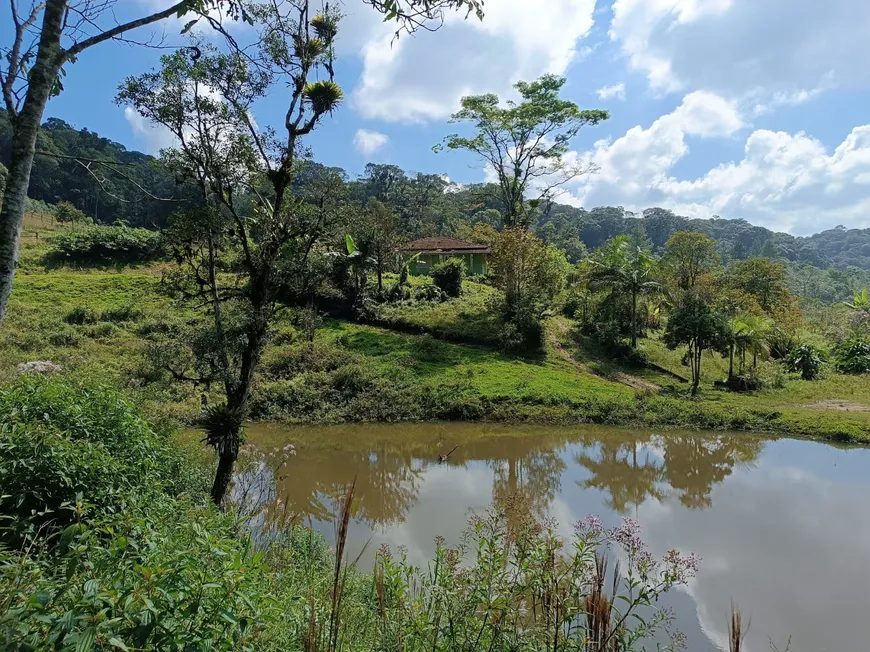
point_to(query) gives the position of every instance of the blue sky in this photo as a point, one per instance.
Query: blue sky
(738, 108)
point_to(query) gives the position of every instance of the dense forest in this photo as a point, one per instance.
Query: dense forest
(132, 187)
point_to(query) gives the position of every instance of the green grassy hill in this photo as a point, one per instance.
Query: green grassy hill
(106, 324)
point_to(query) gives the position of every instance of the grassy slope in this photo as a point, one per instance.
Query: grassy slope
(466, 318)
(572, 380)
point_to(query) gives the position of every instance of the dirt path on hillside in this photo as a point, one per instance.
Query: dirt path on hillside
(558, 332)
(837, 404)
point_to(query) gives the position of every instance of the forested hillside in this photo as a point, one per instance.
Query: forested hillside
(123, 188)
(132, 188)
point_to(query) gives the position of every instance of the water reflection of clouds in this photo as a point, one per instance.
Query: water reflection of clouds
(789, 547)
(468, 488)
(783, 527)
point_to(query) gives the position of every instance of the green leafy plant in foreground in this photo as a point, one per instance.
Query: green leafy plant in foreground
(806, 360)
(853, 355)
(166, 575)
(526, 587)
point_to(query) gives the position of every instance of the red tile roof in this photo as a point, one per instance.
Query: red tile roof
(444, 246)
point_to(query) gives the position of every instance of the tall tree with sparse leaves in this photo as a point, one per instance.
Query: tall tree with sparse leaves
(524, 142)
(48, 35)
(253, 243)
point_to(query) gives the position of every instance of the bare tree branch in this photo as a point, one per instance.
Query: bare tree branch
(110, 165)
(14, 57)
(125, 27)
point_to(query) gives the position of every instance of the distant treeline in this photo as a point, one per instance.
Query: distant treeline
(427, 204)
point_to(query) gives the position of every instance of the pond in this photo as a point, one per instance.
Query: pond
(782, 525)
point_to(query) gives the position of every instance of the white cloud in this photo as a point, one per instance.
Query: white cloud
(784, 181)
(786, 99)
(153, 137)
(368, 142)
(607, 92)
(423, 78)
(787, 517)
(745, 47)
(642, 157)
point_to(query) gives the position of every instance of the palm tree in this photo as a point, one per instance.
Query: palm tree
(861, 302)
(747, 333)
(754, 338)
(860, 307)
(623, 268)
(734, 328)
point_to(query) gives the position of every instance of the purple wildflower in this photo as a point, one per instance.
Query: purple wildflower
(384, 551)
(589, 525)
(628, 536)
(681, 568)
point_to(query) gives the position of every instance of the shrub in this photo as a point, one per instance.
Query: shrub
(107, 245)
(805, 360)
(81, 315)
(100, 331)
(126, 312)
(428, 293)
(65, 336)
(448, 276)
(60, 440)
(853, 355)
(167, 575)
(66, 212)
(290, 361)
(781, 344)
(428, 349)
(523, 330)
(571, 306)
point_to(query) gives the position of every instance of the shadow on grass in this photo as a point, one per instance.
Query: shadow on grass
(426, 354)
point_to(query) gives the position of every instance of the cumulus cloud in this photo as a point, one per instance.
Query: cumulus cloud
(367, 142)
(784, 181)
(641, 158)
(152, 137)
(615, 91)
(744, 47)
(423, 78)
(767, 564)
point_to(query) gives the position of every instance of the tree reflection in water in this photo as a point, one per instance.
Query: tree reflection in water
(631, 469)
(526, 469)
(694, 464)
(311, 487)
(617, 470)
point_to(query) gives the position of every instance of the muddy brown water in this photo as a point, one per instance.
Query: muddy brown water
(782, 525)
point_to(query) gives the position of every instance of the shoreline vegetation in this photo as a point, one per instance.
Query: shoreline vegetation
(116, 325)
(147, 562)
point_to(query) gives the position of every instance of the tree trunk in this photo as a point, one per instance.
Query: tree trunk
(730, 360)
(25, 128)
(222, 478)
(696, 369)
(633, 319)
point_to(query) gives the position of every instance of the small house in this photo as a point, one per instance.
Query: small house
(429, 251)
